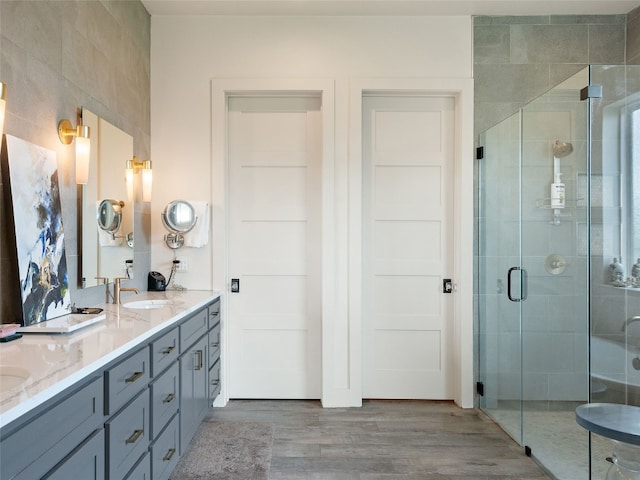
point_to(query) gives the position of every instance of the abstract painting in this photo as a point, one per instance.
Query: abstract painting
(42, 264)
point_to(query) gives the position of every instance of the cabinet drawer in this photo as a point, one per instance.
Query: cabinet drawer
(86, 462)
(128, 436)
(164, 352)
(164, 399)
(126, 379)
(66, 422)
(193, 328)
(214, 381)
(214, 313)
(164, 451)
(142, 471)
(214, 344)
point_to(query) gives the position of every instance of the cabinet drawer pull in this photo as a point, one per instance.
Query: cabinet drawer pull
(199, 363)
(134, 438)
(169, 455)
(134, 377)
(168, 350)
(215, 345)
(169, 398)
(215, 382)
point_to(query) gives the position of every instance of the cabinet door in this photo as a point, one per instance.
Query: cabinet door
(164, 399)
(126, 379)
(67, 423)
(214, 381)
(214, 313)
(193, 328)
(193, 390)
(164, 352)
(128, 436)
(164, 452)
(142, 471)
(86, 462)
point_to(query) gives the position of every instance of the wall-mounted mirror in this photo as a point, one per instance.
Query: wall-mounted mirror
(106, 252)
(179, 217)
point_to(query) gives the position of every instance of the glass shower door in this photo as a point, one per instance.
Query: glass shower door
(499, 242)
(554, 316)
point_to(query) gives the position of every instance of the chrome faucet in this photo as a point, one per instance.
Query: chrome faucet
(117, 289)
(629, 321)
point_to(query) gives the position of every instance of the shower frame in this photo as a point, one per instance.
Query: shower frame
(535, 321)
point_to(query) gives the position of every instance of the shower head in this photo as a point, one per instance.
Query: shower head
(561, 149)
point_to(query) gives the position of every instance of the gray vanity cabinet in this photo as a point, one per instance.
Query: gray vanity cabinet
(131, 420)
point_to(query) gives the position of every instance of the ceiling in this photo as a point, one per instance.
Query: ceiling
(389, 7)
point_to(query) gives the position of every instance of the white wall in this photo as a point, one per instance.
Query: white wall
(188, 52)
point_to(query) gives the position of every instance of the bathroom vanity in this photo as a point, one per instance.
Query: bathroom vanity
(120, 399)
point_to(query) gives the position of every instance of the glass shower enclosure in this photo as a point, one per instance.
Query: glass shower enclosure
(555, 206)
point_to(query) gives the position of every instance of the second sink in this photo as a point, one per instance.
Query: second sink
(12, 376)
(147, 304)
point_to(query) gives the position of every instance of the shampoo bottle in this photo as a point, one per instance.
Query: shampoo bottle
(557, 192)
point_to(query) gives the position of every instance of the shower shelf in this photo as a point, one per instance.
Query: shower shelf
(545, 203)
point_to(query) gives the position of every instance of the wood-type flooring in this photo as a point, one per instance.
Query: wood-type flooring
(383, 440)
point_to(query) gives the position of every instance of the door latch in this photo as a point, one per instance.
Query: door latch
(447, 285)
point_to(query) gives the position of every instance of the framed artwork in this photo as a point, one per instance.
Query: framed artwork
(42, 264)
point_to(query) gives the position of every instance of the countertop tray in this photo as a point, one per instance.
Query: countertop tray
(65, 324)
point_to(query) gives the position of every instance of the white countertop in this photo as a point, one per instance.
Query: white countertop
(54, 362)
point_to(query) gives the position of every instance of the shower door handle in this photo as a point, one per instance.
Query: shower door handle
(523, 284)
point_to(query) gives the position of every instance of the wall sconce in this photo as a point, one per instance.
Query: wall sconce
(134, 166)
(3, 105)
(66, 134)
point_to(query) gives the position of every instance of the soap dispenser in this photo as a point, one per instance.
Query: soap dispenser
(616, 273)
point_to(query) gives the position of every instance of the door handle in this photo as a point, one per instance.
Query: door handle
(523, 284)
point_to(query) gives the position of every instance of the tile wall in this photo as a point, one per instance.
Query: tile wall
(56, 57)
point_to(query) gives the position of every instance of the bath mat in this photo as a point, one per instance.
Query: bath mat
(227, 451)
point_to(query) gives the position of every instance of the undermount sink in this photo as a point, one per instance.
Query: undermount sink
(147, 304)
(12, 377)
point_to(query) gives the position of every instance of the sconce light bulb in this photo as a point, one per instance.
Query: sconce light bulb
(129, 181)
(83, 153)
(3, 105)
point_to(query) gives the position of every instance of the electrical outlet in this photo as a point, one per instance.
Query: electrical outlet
(183, 266)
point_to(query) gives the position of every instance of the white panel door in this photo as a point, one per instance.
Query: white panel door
(408, 160)
(274, 152)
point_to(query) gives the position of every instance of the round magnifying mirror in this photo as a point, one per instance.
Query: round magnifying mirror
(109, 215)
(179, 216)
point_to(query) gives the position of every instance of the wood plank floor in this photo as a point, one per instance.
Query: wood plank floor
(383, 440)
